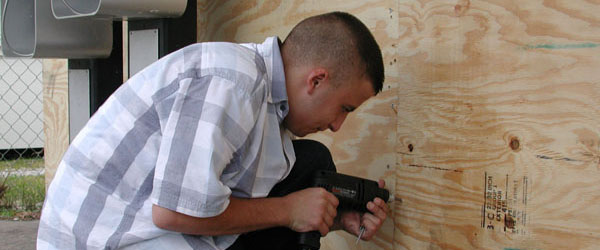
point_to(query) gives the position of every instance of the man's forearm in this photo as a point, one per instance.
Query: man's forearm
(242, 215)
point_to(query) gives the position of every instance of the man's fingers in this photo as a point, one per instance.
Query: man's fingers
(369, 232)
(332, 199)
(332, 211)
(323, 229)
(374, 220)
(378, 211)
(312, 209)
(329, 220)
(351, 222)
(372, 224)
(380, 203)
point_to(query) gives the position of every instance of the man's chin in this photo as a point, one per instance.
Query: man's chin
(302, 133)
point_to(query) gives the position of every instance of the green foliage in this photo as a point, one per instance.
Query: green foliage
(3, 186)
(21, 196)
(21, 163)
(7, 213)
(24, 193)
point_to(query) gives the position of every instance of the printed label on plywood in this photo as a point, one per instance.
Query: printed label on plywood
(505, 203)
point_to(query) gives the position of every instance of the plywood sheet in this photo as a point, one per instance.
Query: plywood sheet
(56, 114)
(365, 146)
(498, 137)
(487, 127)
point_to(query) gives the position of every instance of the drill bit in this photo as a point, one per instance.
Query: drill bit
(362, 231)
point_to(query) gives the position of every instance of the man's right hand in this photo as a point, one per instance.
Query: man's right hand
(311, 209)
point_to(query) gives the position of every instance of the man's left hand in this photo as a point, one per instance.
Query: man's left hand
(351, 221)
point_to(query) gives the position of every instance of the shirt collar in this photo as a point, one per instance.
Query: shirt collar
(278, 88)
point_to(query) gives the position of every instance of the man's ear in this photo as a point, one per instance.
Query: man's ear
(316, 78)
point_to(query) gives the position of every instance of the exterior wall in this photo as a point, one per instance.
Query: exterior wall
(487, 127)
(366, 144)
(498, 137)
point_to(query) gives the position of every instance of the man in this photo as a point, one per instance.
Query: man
(184, 155)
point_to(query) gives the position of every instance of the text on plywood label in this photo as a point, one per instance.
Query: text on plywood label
(505, 204)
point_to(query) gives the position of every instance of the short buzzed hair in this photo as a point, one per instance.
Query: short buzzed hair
(340, 41)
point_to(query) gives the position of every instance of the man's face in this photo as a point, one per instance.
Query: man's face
(327, 106)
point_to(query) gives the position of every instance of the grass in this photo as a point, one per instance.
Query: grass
(21, 196)
(7, 213)
(24, 192)
(22, 163)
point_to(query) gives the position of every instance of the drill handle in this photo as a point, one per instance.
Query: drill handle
(310, 240)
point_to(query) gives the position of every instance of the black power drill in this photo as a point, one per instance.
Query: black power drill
(353, 193)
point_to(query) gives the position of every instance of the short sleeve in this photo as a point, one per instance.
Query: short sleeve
(204, 121)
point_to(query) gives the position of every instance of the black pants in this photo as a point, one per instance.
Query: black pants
(310, 157)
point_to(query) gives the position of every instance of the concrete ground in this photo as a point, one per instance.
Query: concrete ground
(18, 235)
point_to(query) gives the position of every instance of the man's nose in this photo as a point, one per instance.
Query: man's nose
(337, 123)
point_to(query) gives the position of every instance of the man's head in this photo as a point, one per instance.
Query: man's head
(332, 65)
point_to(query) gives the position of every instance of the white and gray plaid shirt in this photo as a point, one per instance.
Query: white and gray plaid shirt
(197, 126)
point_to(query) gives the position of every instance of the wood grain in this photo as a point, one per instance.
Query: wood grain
(56, 114)
(487, 127)
(365, 146)
(506, 90)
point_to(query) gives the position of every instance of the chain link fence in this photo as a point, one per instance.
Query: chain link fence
(22, 188)
(22, 185)
(21, 116)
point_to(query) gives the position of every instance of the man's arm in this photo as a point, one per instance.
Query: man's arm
(302, 211)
